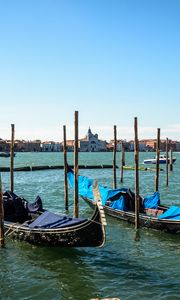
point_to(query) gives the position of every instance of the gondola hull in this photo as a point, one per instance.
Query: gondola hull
(171, 226)
(89, 233)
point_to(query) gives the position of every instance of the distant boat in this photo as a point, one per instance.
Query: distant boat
(162, 160)
(6, 154)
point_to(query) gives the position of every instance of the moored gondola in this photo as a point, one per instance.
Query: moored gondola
(30, 223)
(120, 204)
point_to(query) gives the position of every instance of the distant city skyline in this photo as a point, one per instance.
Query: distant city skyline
(104, 133)
(110, 60)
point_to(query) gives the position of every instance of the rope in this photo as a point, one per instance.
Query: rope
(6, 233)
(148, 220)
(92, 221)
(14, 224)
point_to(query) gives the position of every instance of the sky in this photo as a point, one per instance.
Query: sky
(109, 60)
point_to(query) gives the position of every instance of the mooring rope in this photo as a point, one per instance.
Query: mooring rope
(11, 226)
(148, 220)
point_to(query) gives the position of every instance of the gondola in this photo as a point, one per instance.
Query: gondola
(31, 223)
(120, 204)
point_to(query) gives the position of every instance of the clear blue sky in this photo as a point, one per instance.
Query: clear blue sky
(110, 60)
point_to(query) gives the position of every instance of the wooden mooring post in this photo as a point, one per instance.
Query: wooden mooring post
(157, 160)
(12, 159)
(167, 161)
(2, 243)
(136, 161)
(65, 170)
(76, 200)
(114, 157)
(122, 161)
(171, 160)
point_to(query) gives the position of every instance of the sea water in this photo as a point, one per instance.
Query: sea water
(123, 268)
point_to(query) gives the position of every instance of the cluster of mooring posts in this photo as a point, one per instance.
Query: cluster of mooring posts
(76, 167)
(136, 162)
(137, 168)
(169, 163)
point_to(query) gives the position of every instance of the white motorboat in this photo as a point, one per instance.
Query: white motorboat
(162, 160)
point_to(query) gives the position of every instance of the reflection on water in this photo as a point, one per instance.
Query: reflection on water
(148, 269)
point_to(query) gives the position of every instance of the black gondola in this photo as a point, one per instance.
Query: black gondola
(161, 218)
(30, 223)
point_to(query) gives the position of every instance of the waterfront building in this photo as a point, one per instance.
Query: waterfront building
(177, 146)
(27, 146)
(127, 145)
(50, 146)
(21, 146)
(91, 143)
(4, 146)
(150, 145)
(69, 145)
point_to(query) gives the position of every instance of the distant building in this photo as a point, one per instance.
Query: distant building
(110, 146)
(177, 146)
(91, 143)
(51, 146)
(130, 146)
(20, 146)
(4, 146)
(151, 144)
(69, 145)
(27, 146)
(142, 146)
(126, 145)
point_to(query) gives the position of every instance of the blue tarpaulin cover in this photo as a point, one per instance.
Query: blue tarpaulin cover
(152, 201)
(119, 204)
(85, 186)
(173, 213)
(118, 197)
(51, 220)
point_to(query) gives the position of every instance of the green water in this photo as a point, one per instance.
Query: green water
(148, 269)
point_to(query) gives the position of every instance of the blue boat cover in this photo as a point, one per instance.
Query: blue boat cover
(85, 186)
(51, 220)
(121, 199)
(173, 213)
(152, 201)
(119, 204)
